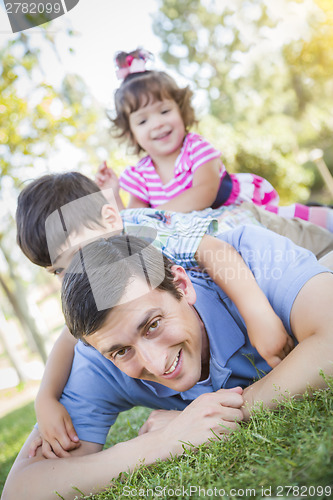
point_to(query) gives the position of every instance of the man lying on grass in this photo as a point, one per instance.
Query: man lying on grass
(57, 213)
(166, 338)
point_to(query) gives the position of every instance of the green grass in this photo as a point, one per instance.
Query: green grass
(14, 429)
(292, 446)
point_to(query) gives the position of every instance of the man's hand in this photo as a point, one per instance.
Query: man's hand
(57, 433)
(209, 416)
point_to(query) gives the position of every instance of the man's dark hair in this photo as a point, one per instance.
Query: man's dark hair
(49, 194)
(101, 272)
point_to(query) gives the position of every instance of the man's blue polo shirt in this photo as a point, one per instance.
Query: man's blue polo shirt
(97, 391)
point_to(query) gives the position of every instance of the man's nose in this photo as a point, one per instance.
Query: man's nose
(153, 357)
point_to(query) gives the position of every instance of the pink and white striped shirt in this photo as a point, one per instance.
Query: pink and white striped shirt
(143, 181)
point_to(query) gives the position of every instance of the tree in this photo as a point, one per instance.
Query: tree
(245, 60)
(37, 121)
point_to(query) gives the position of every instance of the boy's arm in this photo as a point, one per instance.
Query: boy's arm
(312, 324)
(202, 194)
(54, 423)
(227, 268)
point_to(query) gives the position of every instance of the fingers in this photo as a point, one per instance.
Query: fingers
(102, 174)
(230, 397)
(231, 414)
(144, 429)
(290, 344)
(61, 445)
(36, 443)
(221, 408)
(274, 359)
(71, 431)
(47, 450)
(102, 168)
(158, 419)
(237, 389)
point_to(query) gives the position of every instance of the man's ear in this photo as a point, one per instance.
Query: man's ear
(111, 217)
(183, 282)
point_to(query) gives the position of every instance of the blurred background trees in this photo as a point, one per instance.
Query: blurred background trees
(42, 128)
(264, 71)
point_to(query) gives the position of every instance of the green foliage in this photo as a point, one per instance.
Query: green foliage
(272, 85)
(33, 114)
(14, 429)
(291, 446)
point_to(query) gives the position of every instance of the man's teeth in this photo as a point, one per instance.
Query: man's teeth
(173, 366)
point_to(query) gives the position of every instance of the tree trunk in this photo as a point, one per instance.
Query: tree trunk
(25, 319)
(10, 350)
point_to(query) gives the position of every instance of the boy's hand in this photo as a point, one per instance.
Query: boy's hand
(56, 429)
(268, 335)
(106, 178)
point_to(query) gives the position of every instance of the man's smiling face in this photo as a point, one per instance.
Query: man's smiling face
(155, 337)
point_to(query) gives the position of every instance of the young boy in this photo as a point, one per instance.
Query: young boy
(57, 212)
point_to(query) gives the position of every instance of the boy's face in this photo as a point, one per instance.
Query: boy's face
(111, 223)
(155, 337)
(158, 128)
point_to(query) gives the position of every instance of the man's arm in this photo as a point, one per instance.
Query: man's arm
(312, 324)
(39, 478)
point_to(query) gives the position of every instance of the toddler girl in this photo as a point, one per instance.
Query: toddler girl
(155, 116)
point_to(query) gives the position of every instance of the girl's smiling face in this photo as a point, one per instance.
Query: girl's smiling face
(158, 128)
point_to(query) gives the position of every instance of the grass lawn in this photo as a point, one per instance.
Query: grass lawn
(14, 429)
(287, 453)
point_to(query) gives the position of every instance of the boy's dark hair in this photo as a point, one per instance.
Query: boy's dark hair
(47, 195)
(99, 274)
(137, 90)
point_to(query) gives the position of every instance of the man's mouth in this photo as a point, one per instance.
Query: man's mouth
(174, 365)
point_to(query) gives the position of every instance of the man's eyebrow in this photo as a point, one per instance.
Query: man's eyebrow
(147, 317)
(141, 325)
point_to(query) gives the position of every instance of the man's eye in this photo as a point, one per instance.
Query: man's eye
(154, 325)
(121, 353)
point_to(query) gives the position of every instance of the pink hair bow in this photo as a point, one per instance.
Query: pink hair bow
(132, 62)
